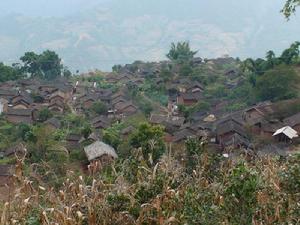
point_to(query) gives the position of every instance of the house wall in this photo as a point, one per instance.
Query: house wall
(297, 128)
(252, 115)
(3, 107)
(18, 119)
(225, 136)
(20, 106)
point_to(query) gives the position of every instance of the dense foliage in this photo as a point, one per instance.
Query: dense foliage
(218, 191)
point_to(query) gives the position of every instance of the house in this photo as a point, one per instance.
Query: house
(73, 141)
(286, 134)
(171, 123)
(101, 122)
(21, 101)
(7, 93)
(182, 135)
(119, 99)
(293, 121)
(88, 100)
(127, 131)
(101, 153)
(125, 108)
(230, 130)
(3, 105)
(57, 107)
(53, 123)
(19, 115)
(269, 128)
(187, 99)
(195, 87)
(57, 96)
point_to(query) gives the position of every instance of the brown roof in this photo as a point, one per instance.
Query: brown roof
(230, 125)
(19, 112)
(73, 137)
(182, 135)
(292, 120)
(54, 122)
(123, 105)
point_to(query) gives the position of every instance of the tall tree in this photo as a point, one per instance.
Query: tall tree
(150, 139)
(181, 52)
(291, 54)
(46, 65)
(9, 73)
(277, 84)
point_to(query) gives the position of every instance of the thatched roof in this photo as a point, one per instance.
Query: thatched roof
(98, 149)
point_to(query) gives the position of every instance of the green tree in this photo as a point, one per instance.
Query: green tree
(271, 59)
(181, 52)
(290, 8)
(291, 55)
(9, 73)
(46, 65)
(150, 139)
(44, 114)
(66, 72)
(99, 108)
(277, 84)
(86, 131)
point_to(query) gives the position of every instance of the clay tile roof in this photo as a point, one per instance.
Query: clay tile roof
(292, 120)
(54, 122)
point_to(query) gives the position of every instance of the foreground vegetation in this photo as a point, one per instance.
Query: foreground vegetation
(200, 188)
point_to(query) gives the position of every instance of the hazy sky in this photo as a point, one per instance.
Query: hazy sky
(65, 7)
(46, 7)
(100, 33)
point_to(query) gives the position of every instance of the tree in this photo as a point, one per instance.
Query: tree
(86, 131)
(290, 8)
(150, 139)
(271, 58)
(277, 84)
(291, 54)
(99, 108)
(46, 65)
(181, 52)
(44, 114)
(248, 66)
(66, 72)
(9, 73)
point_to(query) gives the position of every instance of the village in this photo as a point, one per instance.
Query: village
(261, 128)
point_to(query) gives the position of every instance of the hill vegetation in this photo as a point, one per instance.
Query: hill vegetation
(155, 180)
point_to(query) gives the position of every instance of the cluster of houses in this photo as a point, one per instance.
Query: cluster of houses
(22, 100)
(232, 130)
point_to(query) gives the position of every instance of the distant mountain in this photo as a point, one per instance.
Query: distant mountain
(119, 32)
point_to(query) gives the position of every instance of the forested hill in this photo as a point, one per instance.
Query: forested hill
(119, 32)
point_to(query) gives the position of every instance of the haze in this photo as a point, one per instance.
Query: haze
(100, 33)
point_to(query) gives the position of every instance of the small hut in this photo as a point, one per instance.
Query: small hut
(99, 152)
(285, 134)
